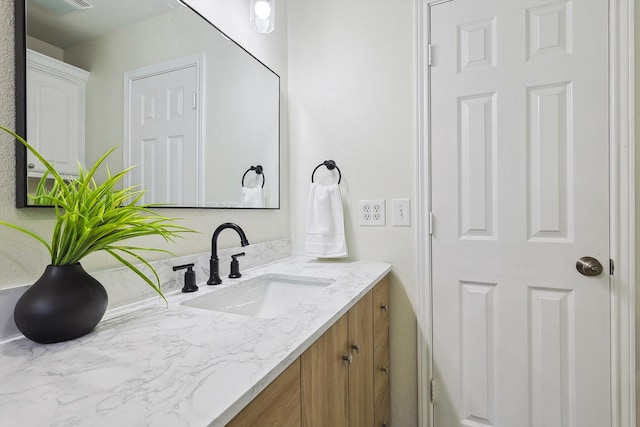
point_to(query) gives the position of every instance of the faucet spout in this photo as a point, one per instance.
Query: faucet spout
(214, 263)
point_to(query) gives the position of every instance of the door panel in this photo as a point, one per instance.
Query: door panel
(520, 191)
(164, 143)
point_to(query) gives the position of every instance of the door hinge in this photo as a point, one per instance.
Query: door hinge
(432, 393)
(431, 223)
(611, 267)
(429, 57)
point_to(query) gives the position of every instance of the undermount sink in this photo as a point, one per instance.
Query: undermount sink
(264, 296)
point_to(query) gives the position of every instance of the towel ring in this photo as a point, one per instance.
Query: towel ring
(331, 165)
(258, 170)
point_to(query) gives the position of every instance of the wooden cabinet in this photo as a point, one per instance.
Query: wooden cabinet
(361, 399)
(353, 356)
(56, 94)
(342, 380)
(325, 379)
(382, 395)
(277, 405)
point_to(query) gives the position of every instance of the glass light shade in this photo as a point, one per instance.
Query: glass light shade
(262, 15)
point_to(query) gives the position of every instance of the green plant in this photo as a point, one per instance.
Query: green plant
(93, 217)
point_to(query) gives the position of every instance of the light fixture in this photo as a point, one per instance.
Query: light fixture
(262, 15)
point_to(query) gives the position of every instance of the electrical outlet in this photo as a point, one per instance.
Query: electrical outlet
(372, 212)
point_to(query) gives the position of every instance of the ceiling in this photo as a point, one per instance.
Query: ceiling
(82, 26)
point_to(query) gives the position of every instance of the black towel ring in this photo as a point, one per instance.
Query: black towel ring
(258, 170)
(331, 165)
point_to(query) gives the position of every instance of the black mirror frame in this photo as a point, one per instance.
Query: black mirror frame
(21, 102)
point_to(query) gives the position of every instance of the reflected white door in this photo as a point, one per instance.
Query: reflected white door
(163, 140)
(520, 191)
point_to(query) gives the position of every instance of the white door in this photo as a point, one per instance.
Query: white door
(520, 192)
(163, 140)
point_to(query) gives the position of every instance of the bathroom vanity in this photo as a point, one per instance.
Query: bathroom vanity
(158, 365)
(341, 380)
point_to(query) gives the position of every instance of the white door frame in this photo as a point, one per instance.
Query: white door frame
(622, 211)
(198, 61)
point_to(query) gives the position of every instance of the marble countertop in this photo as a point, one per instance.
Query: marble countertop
(156, 365)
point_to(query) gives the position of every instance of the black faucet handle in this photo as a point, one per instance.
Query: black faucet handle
(189, 277)
(182, 267)
(235, 266)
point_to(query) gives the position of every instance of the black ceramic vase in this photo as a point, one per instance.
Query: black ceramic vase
(65, 303)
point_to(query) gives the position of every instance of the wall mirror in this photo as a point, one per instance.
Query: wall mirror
(195, 112)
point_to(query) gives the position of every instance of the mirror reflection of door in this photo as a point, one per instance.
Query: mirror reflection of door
(163, 140)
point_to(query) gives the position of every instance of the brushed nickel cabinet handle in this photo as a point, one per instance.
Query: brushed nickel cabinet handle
(356, 347)
(384, 307)
(384, 370)
(348, 358)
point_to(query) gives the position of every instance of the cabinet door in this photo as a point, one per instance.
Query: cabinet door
(381, 313)
(361, 369)
(381, 387)
(381, 353)
(56, 116)
(325, 379)
(277, 406)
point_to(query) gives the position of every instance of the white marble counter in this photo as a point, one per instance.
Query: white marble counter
(153, 365)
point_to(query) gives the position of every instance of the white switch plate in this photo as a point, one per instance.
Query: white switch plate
(372, 212)
(401, 215)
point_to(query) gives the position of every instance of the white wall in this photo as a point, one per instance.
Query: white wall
(45, 48)
(351, 99)
(22, 260)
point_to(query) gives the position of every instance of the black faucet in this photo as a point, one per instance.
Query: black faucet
(214, 266)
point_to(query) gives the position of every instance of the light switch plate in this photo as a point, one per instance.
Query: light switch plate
(401, 212)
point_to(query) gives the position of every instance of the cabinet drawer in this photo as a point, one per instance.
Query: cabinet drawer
(381, 313)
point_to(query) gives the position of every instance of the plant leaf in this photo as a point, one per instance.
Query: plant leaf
(139, 273)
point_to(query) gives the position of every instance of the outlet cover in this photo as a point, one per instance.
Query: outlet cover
(372, 212)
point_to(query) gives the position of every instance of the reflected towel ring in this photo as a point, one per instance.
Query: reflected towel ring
(331, 165)
(258, 170)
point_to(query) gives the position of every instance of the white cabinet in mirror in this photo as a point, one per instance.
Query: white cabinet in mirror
(188, 106)
(56, 114)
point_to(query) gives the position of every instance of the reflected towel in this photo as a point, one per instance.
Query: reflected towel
(252, 197)
(325, 222)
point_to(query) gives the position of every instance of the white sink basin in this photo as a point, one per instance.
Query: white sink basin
(263, 296)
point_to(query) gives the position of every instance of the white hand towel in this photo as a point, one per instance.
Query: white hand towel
(252, 197)
(325, 222)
